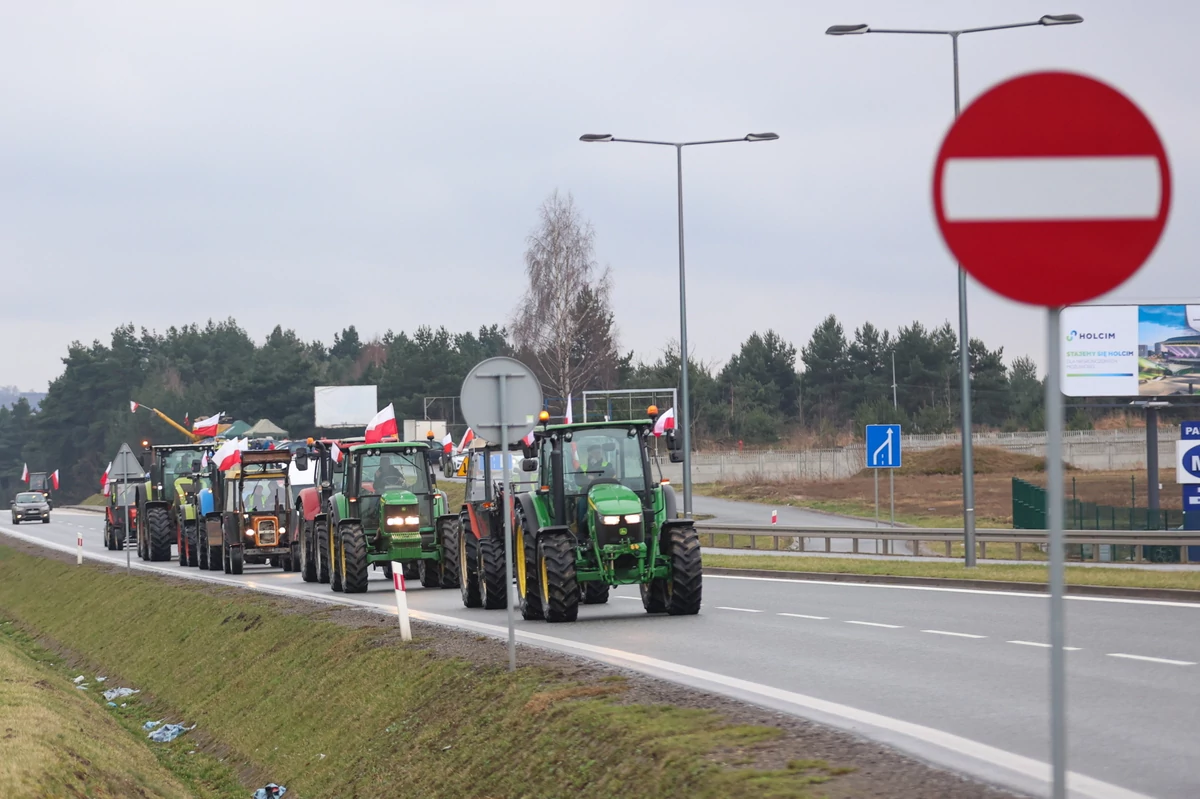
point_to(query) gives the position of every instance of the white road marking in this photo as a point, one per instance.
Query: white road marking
(629, 598)
(947, 589)
(1167, 661)
(877, 624)
(1024, 770)
(740, 610)
(956, 635)
(803, 616)
(1044, 646)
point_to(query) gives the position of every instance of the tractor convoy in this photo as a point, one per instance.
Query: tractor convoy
(587, 515)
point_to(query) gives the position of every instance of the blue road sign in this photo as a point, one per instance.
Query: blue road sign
(1190, 431)
(883, 446)
(1188, 470)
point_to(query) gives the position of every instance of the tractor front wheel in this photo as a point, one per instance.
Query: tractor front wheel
(594, 592)
(430, 572)
(411, 570)
(321, 548)
(352, 558)
(468, 567)
(308, 564)
(687, 572)
(201, 551)
(560, 590)
(529, 589)
(190, 540)
(158, 521)
(214, 557)
(237, 560)
(449, 531)
(493, 585)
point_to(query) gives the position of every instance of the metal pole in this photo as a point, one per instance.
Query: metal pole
(125, 510)
(1152, 475)
(508, 534)
(1054, 506)
(892, 489)
(684, 411)
(964, 347)
(895, 405)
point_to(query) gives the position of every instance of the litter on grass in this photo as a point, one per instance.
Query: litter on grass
(78, 679)
(117, 693)
(149, 725)
(169, 732)
(270, 791)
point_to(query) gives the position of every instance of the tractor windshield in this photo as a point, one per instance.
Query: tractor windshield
(264, 494)
(602, 453)
(388, 469)
(124, 494)
(38, 481)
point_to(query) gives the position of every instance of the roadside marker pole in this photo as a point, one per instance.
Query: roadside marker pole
(401, 600)
(79, 548)
(774, 517)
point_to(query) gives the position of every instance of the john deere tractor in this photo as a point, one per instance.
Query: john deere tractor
(158, 517)
(599, 519)
(390, 510)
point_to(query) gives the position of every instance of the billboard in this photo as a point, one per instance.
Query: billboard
(1131, 350)
(344, 406)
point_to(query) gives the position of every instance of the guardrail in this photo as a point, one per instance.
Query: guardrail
(777, 538)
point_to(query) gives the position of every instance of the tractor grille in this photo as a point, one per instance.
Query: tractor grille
(611, 534)
(268, 534)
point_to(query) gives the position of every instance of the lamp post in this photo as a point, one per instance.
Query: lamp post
(684, 411)
(964, 340)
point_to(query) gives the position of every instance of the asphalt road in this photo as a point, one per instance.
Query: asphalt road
(958, 677)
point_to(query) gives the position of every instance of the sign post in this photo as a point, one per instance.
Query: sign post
(1052, 188)
(500, 400)
(884, 452)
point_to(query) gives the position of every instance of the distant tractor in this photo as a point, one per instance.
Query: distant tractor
(602, 521)
(389, 510)
(251, 521)
(482, 574)
(158, 509)
(120, 515)
(194, 502)
(42, 483)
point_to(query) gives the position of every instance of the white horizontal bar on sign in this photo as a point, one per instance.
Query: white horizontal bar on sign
(1051, 188)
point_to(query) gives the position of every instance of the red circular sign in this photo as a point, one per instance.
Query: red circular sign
(1052, 188)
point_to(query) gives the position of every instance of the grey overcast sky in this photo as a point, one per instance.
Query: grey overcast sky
(319, 164)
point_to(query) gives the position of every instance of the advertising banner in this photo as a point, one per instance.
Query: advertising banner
(1131, 350)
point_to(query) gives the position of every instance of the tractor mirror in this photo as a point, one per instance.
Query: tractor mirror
(529, 464)
(676, 456)
(191, 487)
(195, 465)
(673, 443)
(302, 460)
(326, 485)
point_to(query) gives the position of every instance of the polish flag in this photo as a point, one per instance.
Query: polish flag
(207, 428)
(54, 479)
(528, 440)
(25, 473)
(335, 452)
(133, 406)
(382, 426)
(204, 460)
(570, 416)
(229, 454)
(665, 422)
(448, 444)
(468, 437)
(104, 479)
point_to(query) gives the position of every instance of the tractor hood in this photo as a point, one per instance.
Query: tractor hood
(398, 496)
(611, 499)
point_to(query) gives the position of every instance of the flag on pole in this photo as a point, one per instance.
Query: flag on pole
(448, 444)
(204, 460)
(185, 419)
(570, 416)
(467, 438)
(54, 479)
(665, 422)
(207, 428)
(335, 452)
(25, 473)
(104, 479)
(528, 440)
(382, 426)
(229, 454)
(133, 406)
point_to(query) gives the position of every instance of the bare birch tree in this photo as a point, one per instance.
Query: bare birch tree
(563, 326)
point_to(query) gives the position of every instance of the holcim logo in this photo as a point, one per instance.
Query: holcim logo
(1075, 334)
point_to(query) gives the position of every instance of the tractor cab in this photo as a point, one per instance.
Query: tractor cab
(42, 483)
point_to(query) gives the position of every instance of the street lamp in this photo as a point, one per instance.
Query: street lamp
(964, 340)
(684, 414)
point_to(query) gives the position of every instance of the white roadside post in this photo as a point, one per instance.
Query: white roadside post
(401, 601)
(79, 548)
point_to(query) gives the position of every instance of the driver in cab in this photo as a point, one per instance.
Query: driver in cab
(387, 475)
(597, 468)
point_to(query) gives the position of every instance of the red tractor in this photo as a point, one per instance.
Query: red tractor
(120, 515)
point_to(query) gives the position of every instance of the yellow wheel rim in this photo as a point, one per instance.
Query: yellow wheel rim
(519, 557)
(545, 576)
(342, 561)
(463, 571)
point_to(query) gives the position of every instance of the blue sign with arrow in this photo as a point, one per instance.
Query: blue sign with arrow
(883, 446)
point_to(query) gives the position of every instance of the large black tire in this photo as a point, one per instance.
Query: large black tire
(493, 587)
(529, 590)
(308, 561)
(108, 536)
(191, 541)
(202, 549)
(654, 595)
(354, 570)
(388, 571)
(468, 567)
(158, 520)
(237, 560)
(687, 572)
(335, 568)
(556, 565)
(430, 572)
(449, 532)
(412, 571)
(214, 558)
(593, 592)
(321, 540)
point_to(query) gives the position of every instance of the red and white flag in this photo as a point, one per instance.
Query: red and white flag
(467, 438)
(207, 428)
(570, 416)
(204, 460)
(133, 406)
(382, 426)
(335, 452)
(54, 479)
(448, 444)
(665, 422)
(528, 440)
(230, 453)
(25, 473)
(104, 479)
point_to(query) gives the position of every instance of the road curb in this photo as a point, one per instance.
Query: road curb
(1168, 594)
(88, 508)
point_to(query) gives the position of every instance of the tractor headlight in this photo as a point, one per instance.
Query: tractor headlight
(610, 519)
(395, 521)
(412, 519)
(633, 518)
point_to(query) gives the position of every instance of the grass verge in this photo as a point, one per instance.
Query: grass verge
(333, 709)
(1033, 573)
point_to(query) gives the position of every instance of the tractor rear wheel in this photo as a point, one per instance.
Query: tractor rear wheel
(493, 585)
(158, 521)
(388, 572)
(687, 572)
(214, 557)
(556, 567)
(594, 592)
(352, 558)
(320, 530)
(468, 567)
(529, 589)
(191, 557)
(237, 560)
(430, 572)
(335, 568)
(449, 531)
(308, 564)
(201, 551)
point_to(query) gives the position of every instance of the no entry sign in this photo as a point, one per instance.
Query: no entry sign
(1052, 188)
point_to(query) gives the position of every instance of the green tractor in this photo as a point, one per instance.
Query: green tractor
(599, 519)
(389, 510)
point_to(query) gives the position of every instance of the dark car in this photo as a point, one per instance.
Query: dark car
(30, 506)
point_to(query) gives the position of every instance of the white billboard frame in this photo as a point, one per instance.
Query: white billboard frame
(344, 406)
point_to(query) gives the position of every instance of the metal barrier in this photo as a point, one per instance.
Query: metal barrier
(1085, 544)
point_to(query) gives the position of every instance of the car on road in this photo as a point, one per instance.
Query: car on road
(30, 506)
